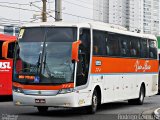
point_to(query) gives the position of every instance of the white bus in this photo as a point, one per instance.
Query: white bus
(83, 65)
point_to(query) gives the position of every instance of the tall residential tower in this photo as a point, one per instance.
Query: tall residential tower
(136, 15)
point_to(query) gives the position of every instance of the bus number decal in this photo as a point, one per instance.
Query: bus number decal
(98, 63)
(98, 70)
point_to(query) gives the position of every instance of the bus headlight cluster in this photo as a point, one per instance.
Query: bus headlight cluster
(67, 90)
(17, 89)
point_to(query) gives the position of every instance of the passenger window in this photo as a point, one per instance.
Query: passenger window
(1, 43)
(112, 45)
(135, 47)
(144, 48)
(85, 38)
(11, 49)
(99, 41)
(124, 46)
(152, 49)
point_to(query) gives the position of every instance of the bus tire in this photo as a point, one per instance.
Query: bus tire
(158, 92)
(93, 108)
(140, 100)
(42, 109)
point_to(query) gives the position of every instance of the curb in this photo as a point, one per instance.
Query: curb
(157, 114)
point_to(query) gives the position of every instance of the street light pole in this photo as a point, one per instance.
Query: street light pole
(58, 10)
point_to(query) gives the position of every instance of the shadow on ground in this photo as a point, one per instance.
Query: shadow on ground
(67, 112)
(5, 98)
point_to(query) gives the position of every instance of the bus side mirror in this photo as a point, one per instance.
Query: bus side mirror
(75, 48)
(6, 49)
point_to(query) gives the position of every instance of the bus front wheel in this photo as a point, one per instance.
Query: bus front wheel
(93, 108)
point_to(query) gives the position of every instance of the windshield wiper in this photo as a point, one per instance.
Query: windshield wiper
(43, 52)
(45, 61)
(38, 63)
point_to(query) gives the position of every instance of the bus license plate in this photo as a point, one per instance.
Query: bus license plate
(40, 101)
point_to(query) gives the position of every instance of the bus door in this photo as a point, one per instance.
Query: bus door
(84, 58)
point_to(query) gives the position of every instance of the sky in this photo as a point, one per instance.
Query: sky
(73, 10)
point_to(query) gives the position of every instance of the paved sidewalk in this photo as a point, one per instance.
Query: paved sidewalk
(157, 114)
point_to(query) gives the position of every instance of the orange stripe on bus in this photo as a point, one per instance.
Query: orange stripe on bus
(43, 87)
(123, 65)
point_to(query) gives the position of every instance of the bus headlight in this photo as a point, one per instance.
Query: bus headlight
(67, 90)
(17, 89)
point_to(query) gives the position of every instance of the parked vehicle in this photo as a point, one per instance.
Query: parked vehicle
(7, 44)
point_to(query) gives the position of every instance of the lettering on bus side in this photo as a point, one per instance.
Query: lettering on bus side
(98, 70)
(5, 65)
(138, 66)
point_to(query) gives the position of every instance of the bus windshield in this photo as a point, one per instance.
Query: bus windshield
(44, 54)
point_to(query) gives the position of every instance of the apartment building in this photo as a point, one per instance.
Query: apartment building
(136, 15)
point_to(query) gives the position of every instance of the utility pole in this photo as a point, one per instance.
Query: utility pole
(58, 10)
(44, 16)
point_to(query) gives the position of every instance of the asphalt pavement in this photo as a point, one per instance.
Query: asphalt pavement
(156, 113)
(111, 111)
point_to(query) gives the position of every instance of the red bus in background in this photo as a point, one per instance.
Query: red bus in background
(7, 43)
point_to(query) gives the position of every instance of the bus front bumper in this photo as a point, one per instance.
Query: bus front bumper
(59, 100)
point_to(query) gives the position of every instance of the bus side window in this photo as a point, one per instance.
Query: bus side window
(144, 48)
(1, 43)
(152, 49)
(99, 41)
(112, 45)
(124, 46)
(11, 49)
(135, 47)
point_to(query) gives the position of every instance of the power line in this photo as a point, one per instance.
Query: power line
(13, 3)
(63, 13)
(31, 4)
(18, 8)
(11, 19)
(9, 24)
(47, 13)
(41, 1)
(36, 1)
(78, 16)
(80, 5)
(74, 15)
(83, 1)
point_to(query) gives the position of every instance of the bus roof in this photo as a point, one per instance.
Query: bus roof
(4, 37)
(95, 25)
